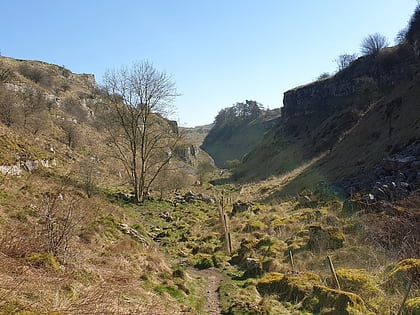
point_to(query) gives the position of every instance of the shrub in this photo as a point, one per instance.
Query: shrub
(44, 259)
(203, 261)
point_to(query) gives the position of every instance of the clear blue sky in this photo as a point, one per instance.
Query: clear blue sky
(219, 52)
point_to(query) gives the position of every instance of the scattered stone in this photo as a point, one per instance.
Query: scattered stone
(166, 216)
(126, 197)
(126, 229)
(395, 179)
(190, 197)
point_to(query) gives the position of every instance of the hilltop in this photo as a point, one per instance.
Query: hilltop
(237, 130)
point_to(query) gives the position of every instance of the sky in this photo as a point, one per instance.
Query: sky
(218, 52)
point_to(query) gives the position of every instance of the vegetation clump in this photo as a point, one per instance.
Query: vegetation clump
(329, 238)
(288, 288)
(412, 306)
(46, 260)
(334, 302)
(202, 261)
(358, 281)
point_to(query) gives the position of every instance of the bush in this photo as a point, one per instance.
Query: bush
(44, 259)
(36, 75)
(203, 261)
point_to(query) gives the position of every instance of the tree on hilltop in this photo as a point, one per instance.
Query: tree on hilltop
(248, 110)
(373, 43)
(344, 60)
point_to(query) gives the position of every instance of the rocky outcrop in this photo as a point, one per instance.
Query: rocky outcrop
(188, 154)
(26, 165)
(392, 65)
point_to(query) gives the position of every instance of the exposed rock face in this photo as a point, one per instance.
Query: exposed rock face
(188, 154)
(354, 117)
(26, 165)
(366, 72)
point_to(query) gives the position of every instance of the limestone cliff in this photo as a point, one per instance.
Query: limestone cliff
(358, 117)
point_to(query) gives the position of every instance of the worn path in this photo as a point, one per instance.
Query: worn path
(214, 278)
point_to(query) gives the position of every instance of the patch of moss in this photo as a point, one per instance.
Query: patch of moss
(202, 261)
(412, 306)
(172, 291)
(254, 225)
(334, 302)
(46, 260)
(289, 288)
(357, 281)
(329, 238)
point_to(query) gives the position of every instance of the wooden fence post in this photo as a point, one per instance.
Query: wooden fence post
(333, 272)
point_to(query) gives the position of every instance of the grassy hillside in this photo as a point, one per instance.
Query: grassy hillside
(231, 139)
(359, 116)
(69, 241)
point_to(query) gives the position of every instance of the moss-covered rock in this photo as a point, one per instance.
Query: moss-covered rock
(244, 300)
(329, 238)
(270, 283)
(402, 273)
(409, 267)
(46, 260)
(245, 250)
(357, 281)
(289, 288)
(254, 225)
(334, 302)
(307, 288)
(202, 261)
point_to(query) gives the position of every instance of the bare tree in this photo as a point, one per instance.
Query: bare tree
(373, 43)
(344, 60)
(138, 98)
(58, 221)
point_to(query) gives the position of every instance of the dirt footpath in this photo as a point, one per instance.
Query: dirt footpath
(214, 278)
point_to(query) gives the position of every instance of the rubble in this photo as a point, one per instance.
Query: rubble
(394, 179)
